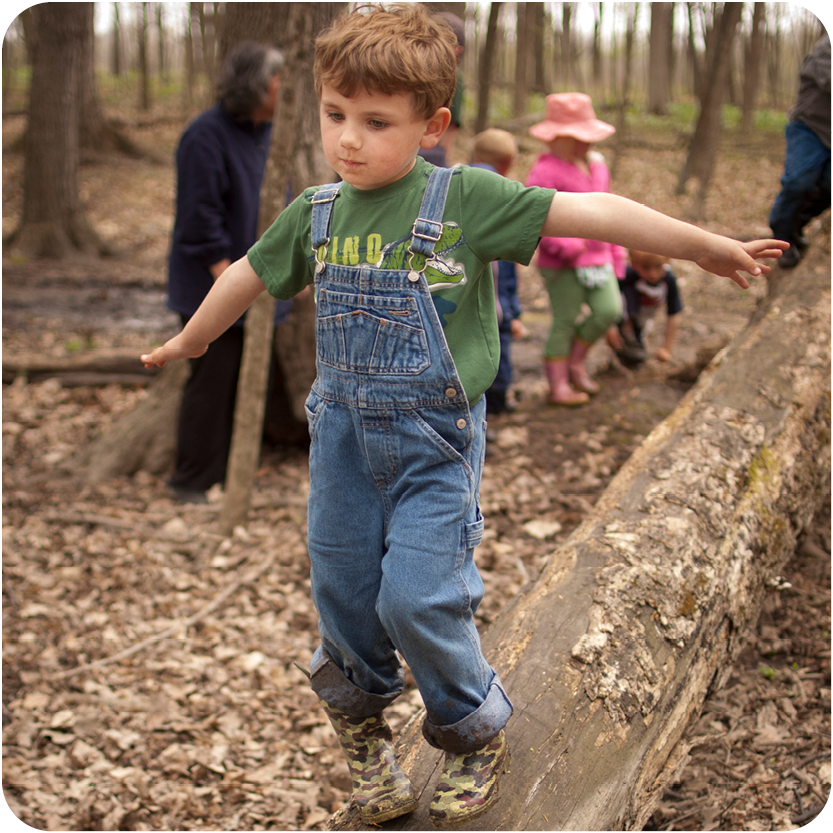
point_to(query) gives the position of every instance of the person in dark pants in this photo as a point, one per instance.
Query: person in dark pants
(805, 184)
(220, 162)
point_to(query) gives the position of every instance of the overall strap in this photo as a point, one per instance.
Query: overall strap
(322, 211)
(428, 226)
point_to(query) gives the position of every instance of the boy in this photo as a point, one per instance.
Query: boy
(407, 343)
(648, 284)
(496, 150)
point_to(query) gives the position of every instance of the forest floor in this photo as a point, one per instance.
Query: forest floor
(148, 662)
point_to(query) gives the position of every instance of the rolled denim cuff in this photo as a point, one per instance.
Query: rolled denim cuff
(329, 682)
(474, 730)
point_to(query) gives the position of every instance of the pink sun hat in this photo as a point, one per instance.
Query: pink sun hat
(571, 114)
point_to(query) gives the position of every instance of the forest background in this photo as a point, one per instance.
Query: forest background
(204, 722)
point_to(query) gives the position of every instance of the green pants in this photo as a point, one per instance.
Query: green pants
(567, 294)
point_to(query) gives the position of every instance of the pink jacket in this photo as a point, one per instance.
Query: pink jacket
(569, 252)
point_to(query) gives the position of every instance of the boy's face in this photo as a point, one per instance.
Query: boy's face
(652, 273)
(371, 139)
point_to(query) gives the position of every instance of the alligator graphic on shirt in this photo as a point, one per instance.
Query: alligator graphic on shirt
(441, 270)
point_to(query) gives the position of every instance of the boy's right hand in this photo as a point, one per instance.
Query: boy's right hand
(170, 351)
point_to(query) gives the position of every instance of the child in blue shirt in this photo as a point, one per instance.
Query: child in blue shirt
(400, 256)
(496, 150)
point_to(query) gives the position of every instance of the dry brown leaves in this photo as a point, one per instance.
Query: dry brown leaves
(148, 662)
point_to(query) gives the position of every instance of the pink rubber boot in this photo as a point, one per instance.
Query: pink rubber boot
(578, 374)
(560, 391)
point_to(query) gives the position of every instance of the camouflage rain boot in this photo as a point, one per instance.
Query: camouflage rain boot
(469, 783)
(381, 789)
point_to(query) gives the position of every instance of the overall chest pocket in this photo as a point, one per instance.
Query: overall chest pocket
(370, 333)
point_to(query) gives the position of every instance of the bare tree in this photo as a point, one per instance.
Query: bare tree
(624, 93)
(567, 63)
(190, 61)
(54, 223)
(694, 62)
(161, 37)
(485, 67)
(661, 52)
(521, 61)
(535, 28)
(752, 65)
(115, 46)
(702, 151)
(96, 133)
(598, 9)
(144, 69)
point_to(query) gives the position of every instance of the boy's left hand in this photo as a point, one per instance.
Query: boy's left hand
(728, 258)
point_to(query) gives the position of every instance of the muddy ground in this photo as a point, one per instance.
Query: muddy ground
(148, 676)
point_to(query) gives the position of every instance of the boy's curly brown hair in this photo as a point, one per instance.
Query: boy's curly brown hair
(389, 49)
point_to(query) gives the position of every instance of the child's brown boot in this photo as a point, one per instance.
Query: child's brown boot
(381, 789)
(469, 783)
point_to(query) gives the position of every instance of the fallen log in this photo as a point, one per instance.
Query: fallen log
(609, 655)
(90, 367)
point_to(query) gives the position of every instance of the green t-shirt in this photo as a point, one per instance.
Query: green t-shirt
(487, 217)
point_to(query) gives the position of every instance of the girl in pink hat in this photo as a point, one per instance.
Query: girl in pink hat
(575, 271)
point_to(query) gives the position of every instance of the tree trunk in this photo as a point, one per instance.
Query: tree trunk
(752, 66)
(115, 46)
(97, 135)
(568, 67)
(144, 69)
(162, 65)
(659, 65)
(597, 45)
(208, 41)
(54, 223)
(190, 68)
(535, 28)
(702, 151)
(145, 439)
(623, 98)
(250, 407)
(694, 62)
(257, 353)
(485, 67)
(610, 653)
(521, 61)
(249, 411)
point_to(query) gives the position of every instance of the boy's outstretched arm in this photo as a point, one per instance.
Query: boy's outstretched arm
(615, 219)
(230, 296)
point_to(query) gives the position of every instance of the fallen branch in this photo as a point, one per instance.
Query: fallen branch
(92, 520)
(90, 367)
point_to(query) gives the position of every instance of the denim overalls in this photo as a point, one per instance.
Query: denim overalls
(395, 462)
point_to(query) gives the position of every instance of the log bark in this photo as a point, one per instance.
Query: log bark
(609, 655)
